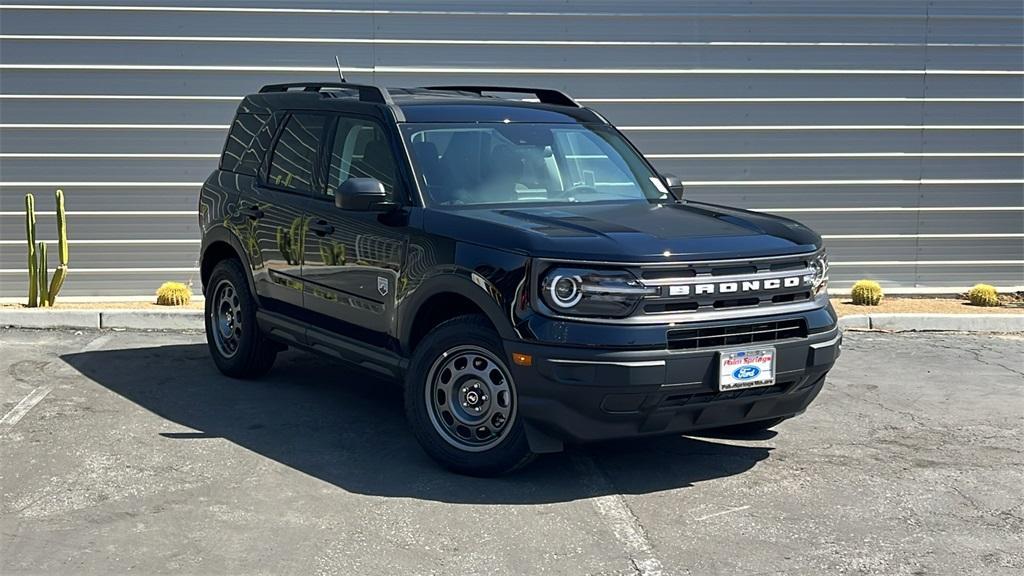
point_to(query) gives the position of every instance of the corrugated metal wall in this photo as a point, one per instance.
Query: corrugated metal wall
(894, 127)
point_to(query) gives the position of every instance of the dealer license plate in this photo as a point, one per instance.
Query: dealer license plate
(740, 369)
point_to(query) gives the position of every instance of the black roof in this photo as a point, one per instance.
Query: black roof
(424, 104)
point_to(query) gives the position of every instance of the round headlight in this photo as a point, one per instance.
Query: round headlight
(565, 291)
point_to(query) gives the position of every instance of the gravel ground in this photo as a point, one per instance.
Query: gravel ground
(921, 306)
(127, 452)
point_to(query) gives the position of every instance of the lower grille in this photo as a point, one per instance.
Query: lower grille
(676, 400)
(736, 335)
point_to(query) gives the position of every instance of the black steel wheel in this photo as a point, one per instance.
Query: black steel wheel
(237, 346)
(470, 398)
(461, 400)
(226, 318)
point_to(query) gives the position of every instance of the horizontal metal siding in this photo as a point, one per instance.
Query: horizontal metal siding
(697, 114)
(918, 106)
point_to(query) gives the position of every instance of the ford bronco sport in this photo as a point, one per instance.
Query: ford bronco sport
(516, 263)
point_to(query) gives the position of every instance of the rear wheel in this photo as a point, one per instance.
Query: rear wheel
(461, 401)
(236, 344)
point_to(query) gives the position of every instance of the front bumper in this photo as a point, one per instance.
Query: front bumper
(580, 394)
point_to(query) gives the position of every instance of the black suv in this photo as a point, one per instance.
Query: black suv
(515, 262)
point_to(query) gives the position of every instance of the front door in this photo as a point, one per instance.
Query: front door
(354, 259)
(278, 211)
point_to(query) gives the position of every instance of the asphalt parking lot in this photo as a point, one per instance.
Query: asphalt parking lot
(127, 452)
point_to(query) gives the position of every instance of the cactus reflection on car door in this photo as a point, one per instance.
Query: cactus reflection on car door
(291, 242)
(332, 253)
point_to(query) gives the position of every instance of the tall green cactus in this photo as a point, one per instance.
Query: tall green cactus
(30, 236)
(40, 293)
(44, 299)
(61, 272)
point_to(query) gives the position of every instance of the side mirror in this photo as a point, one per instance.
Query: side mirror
(365, 194)
(675, 185)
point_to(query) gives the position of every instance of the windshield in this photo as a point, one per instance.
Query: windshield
(475, 164)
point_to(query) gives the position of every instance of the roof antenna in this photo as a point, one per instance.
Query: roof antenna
(338, 62)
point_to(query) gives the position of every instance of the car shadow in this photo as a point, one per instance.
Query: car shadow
(347, 428)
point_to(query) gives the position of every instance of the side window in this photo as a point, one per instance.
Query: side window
(241, 149)
(291, 166)
(360, 150)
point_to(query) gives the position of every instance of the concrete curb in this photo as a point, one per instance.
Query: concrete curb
(44, 318)
(95, 319)
(858, 322)
(935, 322)
(152, 319)
(128, 319)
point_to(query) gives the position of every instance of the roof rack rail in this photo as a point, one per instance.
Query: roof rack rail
(366, 92)
(545, 95)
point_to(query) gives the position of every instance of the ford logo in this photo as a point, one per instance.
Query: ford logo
(746, 372)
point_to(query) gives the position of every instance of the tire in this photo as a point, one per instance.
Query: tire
(236, 344)
(480, 433)
(745, 429)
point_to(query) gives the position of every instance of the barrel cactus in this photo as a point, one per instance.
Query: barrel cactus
(173, 294)
(866, 293)
(983, 295)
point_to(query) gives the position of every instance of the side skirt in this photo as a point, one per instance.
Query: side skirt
(288, 331)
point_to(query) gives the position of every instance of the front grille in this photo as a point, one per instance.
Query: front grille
(736, 334)
(720, 286)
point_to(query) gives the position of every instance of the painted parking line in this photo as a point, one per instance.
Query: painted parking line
(40, 392)
(27, 403)
(619, 517)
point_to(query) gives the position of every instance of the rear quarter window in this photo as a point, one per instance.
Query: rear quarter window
(245, 146)
(295, 153)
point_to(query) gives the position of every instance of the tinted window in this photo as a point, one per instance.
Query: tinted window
(360, 150)
(291, 167)
(242, 153)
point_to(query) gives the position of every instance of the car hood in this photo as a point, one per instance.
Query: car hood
(626, 232)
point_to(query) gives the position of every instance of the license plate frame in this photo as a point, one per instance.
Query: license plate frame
(743, 368)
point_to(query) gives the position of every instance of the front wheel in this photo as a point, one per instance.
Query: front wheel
(461, 401)
(236, 344)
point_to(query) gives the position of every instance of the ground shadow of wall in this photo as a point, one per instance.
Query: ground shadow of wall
(347, 428)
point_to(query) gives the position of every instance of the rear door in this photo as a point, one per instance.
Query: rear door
(277, 210)
(354, 259)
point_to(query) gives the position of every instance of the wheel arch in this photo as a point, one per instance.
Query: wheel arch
(446, 298)
(220, 244)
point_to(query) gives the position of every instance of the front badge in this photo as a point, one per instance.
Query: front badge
(382, 285)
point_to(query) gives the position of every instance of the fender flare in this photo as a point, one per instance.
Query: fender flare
(220, 234)
(455, 282)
